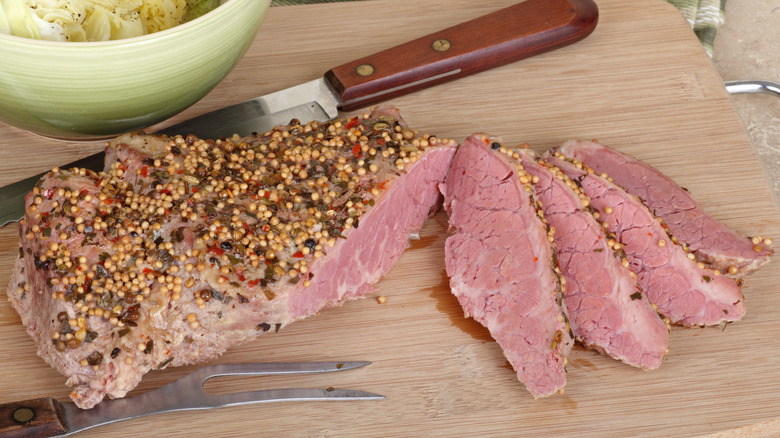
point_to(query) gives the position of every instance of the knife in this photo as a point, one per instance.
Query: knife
(507, 35)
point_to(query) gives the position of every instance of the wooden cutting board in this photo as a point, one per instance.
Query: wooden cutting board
(640, 83)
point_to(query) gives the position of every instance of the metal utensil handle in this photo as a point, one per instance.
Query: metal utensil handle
(752, 86)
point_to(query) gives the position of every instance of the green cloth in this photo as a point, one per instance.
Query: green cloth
(704, 16)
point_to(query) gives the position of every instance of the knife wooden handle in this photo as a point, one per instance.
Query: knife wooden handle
(504, 36)
(41, 417)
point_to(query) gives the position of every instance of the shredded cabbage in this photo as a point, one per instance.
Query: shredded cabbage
(96, 20)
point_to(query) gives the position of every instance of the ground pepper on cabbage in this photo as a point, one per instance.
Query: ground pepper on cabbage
(96, 20)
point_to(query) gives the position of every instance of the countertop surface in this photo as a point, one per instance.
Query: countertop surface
(746, 48)
(745, 45)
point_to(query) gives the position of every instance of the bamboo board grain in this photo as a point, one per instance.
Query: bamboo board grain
(640, 83)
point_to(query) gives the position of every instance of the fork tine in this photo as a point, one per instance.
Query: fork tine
(275, 368)
(292, 394)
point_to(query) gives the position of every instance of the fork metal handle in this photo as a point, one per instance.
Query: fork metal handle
(767, 87)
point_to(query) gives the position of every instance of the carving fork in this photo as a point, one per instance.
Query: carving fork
(46, 417)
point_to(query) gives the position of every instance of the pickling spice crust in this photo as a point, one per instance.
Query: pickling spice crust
(184, 246)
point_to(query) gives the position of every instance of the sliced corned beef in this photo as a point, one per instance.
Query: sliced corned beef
(682, 290)
(710, 240)
(184, 247)
(501, 264)
(602, 300)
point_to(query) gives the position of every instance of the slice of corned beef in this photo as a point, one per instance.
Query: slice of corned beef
(710, 240)
(602, 300)
(184, 247)
(682, 290)
(502, 266)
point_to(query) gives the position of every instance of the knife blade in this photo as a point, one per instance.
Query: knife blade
(504, 36)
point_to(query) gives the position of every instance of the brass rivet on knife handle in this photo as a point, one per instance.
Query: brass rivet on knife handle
(507, 35)
(24, 415)
(364, 69)
(441, 45)
(40, 417)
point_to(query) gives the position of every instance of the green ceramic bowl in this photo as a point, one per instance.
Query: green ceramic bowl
(83, 91)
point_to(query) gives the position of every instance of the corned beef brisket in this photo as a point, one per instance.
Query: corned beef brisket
(184, 247)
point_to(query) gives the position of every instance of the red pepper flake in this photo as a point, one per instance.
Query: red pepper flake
(353, 122)
(240, 274)
(195, 190)
(216, 250)
(48, 193)
(145, 171)
(298, 255)
(356, 150)
(266, 227)
(255, 282)
(147, 270)
(536, 259)
(179, 172)
(380, 141)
